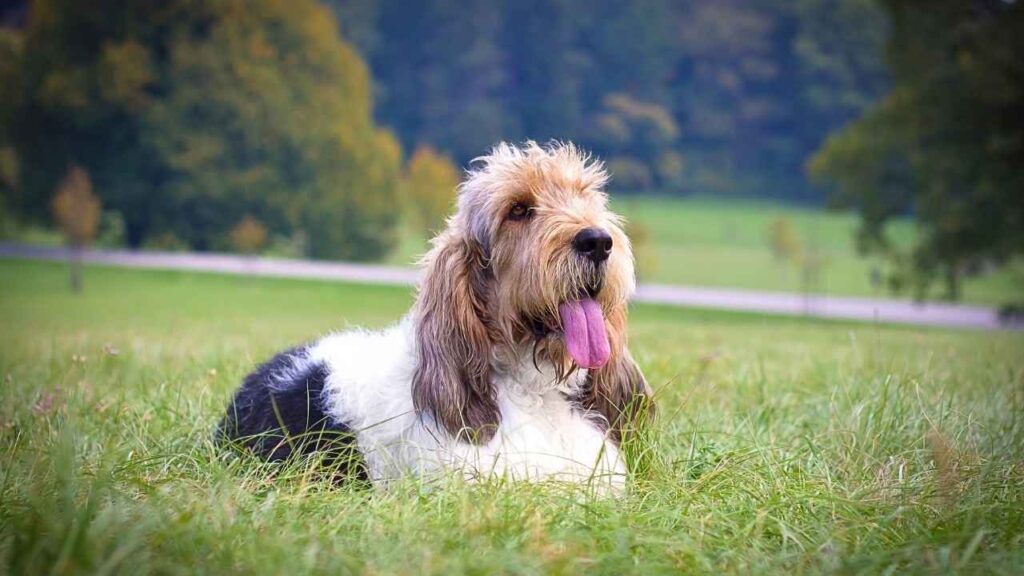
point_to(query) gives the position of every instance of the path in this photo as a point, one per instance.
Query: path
(838, 307)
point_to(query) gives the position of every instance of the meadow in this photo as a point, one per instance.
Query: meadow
(781, 445)
(724, 243)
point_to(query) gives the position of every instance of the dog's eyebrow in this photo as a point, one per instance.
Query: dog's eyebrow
(526, 197)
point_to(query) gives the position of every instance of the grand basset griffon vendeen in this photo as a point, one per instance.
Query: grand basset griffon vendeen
(512, 362)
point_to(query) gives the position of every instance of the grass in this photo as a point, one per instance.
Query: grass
(782, 445)
(706, 242)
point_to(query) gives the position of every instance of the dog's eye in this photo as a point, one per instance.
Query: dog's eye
(518, 211)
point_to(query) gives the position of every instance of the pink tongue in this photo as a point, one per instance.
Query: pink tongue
(585, 336)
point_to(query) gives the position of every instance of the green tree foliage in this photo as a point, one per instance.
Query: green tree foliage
(946, 144)
(762, 83)
(191, 114)
(429, 184)
(748, 88)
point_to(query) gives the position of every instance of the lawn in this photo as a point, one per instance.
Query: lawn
(782, 445)
(707, 242)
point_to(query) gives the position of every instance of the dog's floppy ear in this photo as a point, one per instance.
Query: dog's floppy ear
(618, 390)
(452, 382)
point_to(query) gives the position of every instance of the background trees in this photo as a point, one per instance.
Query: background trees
(947, 144)
(190, 115)
(684, 97)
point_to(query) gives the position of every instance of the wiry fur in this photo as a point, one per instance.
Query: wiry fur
(477, 377)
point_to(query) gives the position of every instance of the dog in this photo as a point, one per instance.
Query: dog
(512, 363)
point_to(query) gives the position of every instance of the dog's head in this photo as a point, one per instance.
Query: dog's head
(531, 258)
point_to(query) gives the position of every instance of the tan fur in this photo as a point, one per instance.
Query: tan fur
(487, 277)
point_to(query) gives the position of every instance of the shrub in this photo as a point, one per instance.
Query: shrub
(248, 236)
(76, 210)
(783, 240)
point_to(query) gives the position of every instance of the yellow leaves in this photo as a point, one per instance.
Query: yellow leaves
(385, 161)
(260, 49)
(388, 148)
(354, 85)
(322, 25)
(75, 208)
(249, 235)
(644, 113)
(247, 106)
(429, 183)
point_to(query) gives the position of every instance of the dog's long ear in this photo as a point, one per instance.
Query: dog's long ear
(618, 390)
(452, 382)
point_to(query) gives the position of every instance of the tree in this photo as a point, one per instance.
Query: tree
(547, 96)
(76, 210)
(783, 240)
(190, 115)
(248, 236)
(637, 138)
(946, 144)
(430, 182)
(752, 87)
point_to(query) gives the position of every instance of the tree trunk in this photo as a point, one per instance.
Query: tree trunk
(75, 261)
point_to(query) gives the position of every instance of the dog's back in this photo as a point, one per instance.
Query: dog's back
(279, 412)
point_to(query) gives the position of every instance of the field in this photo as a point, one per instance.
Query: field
(781, 445)
(723, 243)
(706, 242)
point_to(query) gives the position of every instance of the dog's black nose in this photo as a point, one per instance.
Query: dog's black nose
(593, 243)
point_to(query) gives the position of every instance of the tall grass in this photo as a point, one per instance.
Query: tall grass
(780, 445)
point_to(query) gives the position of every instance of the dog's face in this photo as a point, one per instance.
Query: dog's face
(561, 265)
(532, 254)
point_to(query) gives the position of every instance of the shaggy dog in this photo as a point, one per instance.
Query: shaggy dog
(511, 363)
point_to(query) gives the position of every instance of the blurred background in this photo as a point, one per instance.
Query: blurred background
(851, 147)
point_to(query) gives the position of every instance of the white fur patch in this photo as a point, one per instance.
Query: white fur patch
(542, 435)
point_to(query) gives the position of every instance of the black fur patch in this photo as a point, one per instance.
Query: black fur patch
(278, 412)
